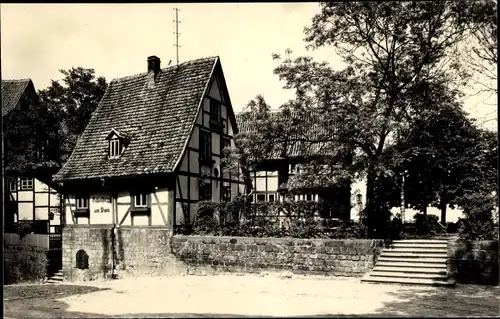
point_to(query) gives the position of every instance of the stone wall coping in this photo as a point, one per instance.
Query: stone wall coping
(458, 240)
(270, 239)
(109, 226)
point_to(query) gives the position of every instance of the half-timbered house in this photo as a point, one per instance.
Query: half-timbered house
(152, 149)
(285, 158)
(30, 195)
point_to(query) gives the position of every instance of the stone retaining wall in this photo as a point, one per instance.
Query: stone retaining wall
(24, 264)
(253, 255)
(139, 251)
(474, 262)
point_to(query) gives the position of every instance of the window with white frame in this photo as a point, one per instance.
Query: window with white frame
(141, 200)
(26, 183)
(82, 203)
(13, 184)
(114, 148)
(271, 197)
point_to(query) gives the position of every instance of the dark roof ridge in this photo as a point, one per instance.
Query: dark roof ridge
(17, 80)
(165, 69)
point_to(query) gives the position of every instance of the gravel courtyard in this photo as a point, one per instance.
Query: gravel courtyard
(248, 295)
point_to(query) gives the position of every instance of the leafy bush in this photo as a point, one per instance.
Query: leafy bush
(427, 224)
(299, 219)
(206, 221)
(478, 223)
(395, 228)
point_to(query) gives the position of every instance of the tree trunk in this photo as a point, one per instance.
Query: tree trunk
(402, 205)
(247, 180)
(369, 210)
(425, 210)
(443, 205)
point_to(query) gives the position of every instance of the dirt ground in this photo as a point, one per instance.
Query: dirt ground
(245, 296)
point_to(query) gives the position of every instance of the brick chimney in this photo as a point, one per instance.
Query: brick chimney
(153, 69)
(154, 64)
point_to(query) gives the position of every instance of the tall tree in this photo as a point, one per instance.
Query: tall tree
(394, 52)
(72, 103)
(446, 157)
(27, 136)
(481, 50)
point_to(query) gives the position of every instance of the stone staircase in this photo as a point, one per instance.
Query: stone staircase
(415, 261)
(56, 278)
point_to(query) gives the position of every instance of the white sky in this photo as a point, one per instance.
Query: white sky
(115, 40)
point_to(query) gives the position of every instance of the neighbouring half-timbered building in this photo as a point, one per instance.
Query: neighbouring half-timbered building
(284, 161)
(30, 195)
(152, 149)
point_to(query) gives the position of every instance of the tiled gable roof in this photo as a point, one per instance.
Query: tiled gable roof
(297, 145)
(157, 121)
(12, 91)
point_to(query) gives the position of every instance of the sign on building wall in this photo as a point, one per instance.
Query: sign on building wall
(101, 205)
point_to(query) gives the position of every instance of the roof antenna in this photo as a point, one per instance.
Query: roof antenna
(177, 34)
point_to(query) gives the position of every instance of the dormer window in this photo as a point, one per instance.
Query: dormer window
(117, 143)
(114, 148)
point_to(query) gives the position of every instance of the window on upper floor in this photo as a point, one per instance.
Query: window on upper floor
(13, 184)
(26, 183)
(118, 141)
(205, 145)
(114, 148)
(215, 108)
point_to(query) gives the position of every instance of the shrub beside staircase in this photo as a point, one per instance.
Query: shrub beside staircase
(412, 261)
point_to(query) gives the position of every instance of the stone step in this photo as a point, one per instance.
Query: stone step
(420, 246)
(430, 250)
(58, 279)
(411, 281)
(407, 275)
(407, 254)
(410, 269)
(421, 241)
(400, 262)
